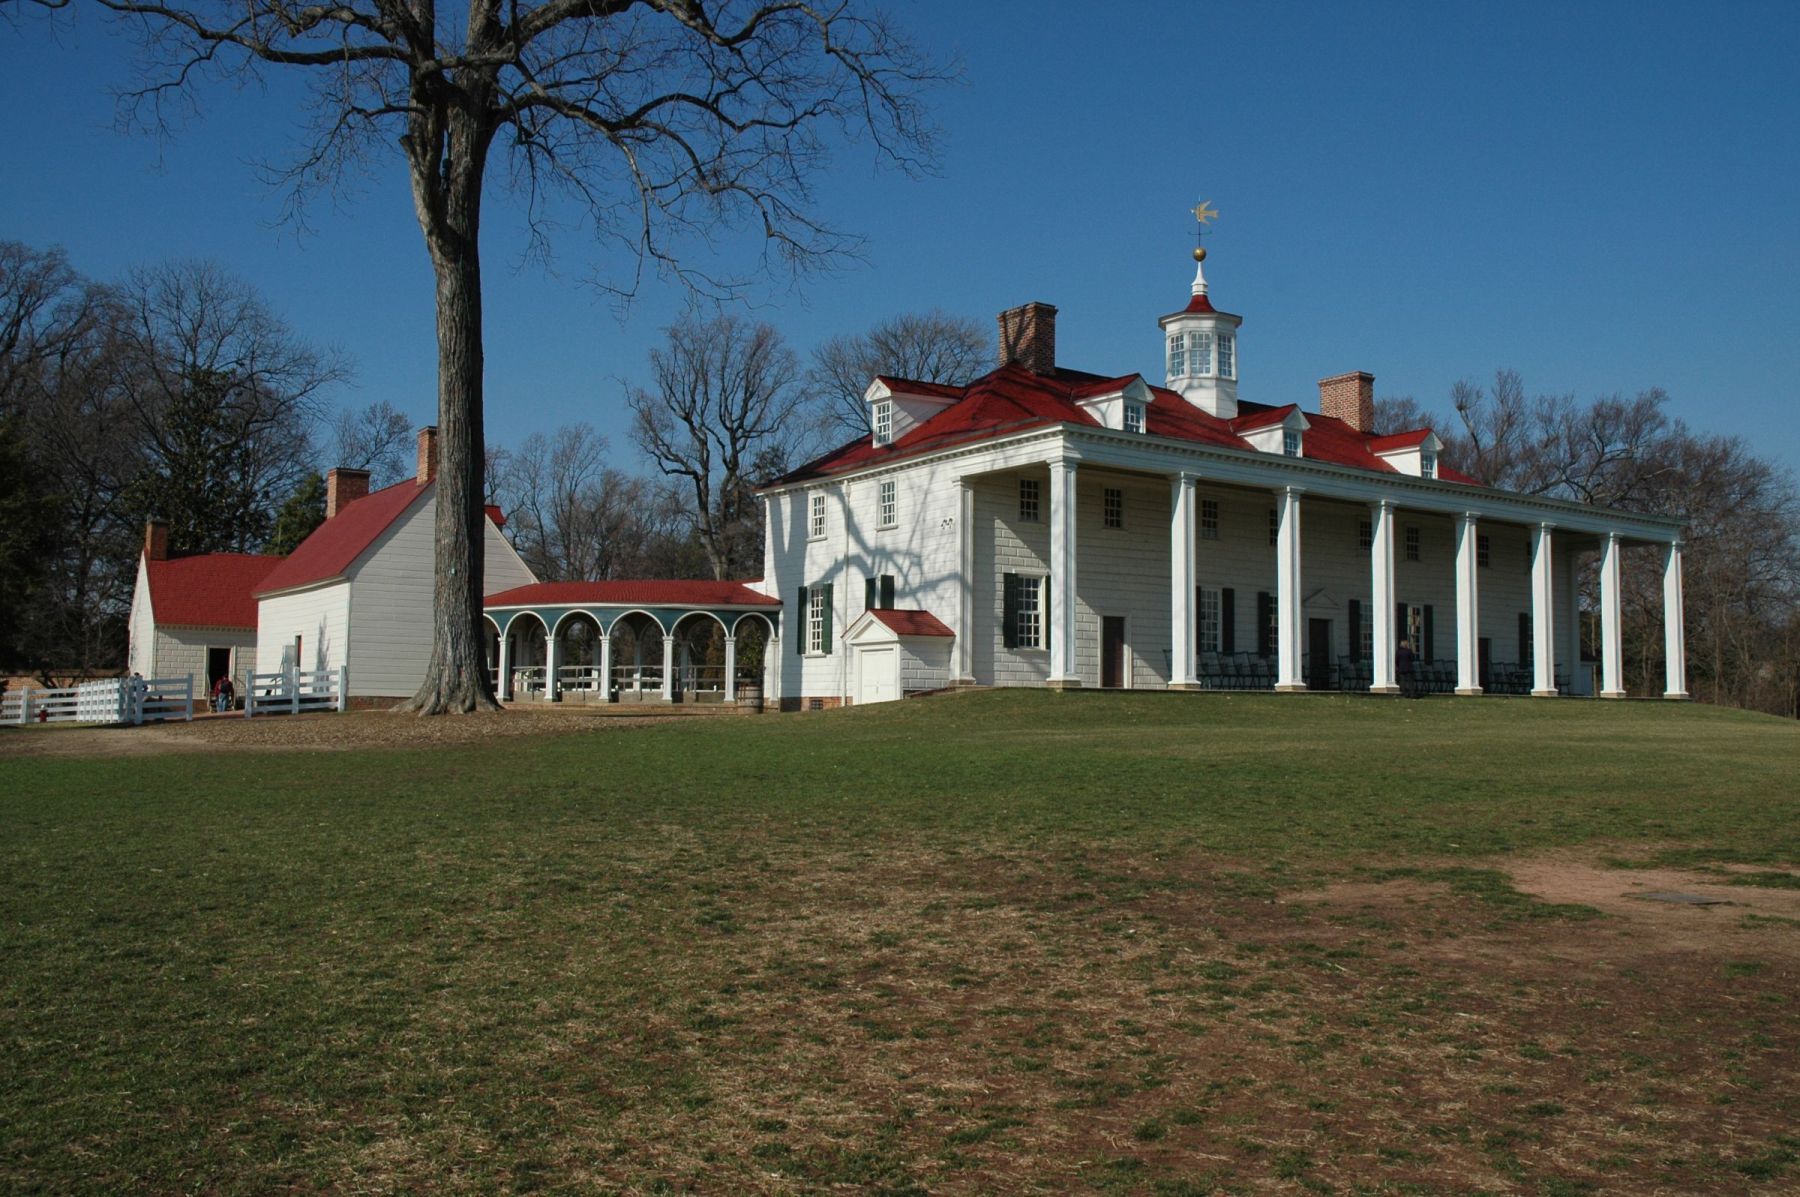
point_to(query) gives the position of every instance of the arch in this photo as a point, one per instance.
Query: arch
(675, 628)
(507, 619)
(580, 651)
(578, 613)
(636, 638)
(493, 623)
(620, 615)
(737, 625)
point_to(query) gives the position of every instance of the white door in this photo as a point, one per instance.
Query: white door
(878, 675)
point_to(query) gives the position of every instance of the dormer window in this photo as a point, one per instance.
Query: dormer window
(1427, 464)
(884, 422)
(1227, 356)
(1290, 442)
(1134, 417)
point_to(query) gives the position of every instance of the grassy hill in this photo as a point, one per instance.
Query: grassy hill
(994, 942)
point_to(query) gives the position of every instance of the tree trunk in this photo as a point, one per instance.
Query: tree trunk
(456, 681)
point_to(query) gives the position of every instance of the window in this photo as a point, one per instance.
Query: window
(884, 421)
(1365, 534)
(1481, 551)
(1134, 417)
(818, 615)
(1028, 499)
(1177, 355)
(1209, 619)
(1366, 632)
(1412, 542)
(1209, 519)
(1274, 526)
(1022, 610)
(1227, 354)
(890, 503)
(1199, 353)
(1427, 464)
(816, 523)
(1290, 442)
(1115, 507)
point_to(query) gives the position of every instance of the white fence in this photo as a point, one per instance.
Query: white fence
(293, 691)
(114, 700)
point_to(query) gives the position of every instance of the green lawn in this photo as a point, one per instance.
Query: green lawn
(995, 942)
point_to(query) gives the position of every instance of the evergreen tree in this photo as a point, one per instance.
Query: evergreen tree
(303, 511)
(202, 481)
(26, 540)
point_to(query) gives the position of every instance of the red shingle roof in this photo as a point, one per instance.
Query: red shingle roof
(1398, 440)
(650, 593)
(1014, 399)
(912, 623)
(340, 540)
(214, 590)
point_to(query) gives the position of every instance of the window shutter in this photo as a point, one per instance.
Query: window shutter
(887, 592)
(800, 624)
(1044, 612)
(1524, 637)
(1227, 621)
(1400, 626)
(1009, 610)
(1430, 651)
(1199, 618)
(1262, 623)
(868, 594)
(826, 599)
(1355, 629)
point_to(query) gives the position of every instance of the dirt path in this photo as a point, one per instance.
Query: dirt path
(327, 732)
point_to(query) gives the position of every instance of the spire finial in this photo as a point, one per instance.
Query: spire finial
(1204, 213)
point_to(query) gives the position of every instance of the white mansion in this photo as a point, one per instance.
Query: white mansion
(1047, 527)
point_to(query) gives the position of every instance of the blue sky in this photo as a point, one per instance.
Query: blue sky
(1601, 196)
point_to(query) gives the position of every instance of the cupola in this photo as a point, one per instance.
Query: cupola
(1200, 344)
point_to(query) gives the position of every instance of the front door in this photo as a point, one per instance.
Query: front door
(1318, 654)
(1112, 652)
(218, 665)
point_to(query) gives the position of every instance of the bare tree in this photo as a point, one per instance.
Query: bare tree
(720, 420)
(925, 347)
(663, 120)
(377, 438)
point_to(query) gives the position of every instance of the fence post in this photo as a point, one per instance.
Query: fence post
(190, 698)
(343, 702)
(293, 680)
(25, 708)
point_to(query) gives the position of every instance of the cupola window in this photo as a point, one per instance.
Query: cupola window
(1177, 355)
(1200, 353)
(1227, 356)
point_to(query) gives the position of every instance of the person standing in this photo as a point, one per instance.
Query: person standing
(1405, 670)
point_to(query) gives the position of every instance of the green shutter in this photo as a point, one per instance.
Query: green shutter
(1524, 637)
(1355, 630)
(1009, 610)
(800, 624)
(1262, 623)
(868, 594)
(1430, 648)
(1400, 627)
(1044, 613)
(887, 592)
(826, 598)
(1227, 620)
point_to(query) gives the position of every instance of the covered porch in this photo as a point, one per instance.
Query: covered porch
(675, 642)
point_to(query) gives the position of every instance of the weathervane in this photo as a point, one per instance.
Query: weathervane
(1204, 213)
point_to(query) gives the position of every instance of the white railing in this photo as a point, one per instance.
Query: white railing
(527, 679)
(637, 679)
(293, 691)
(579, 677)
(114, 700)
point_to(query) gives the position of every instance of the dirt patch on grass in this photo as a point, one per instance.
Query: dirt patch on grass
(327, 732)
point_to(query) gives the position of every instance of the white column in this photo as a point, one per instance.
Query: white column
(1674, 639)
(668, 669)
(606, 667)
(1181, 583)
(1612, 663)
(731, 669)
(1543, 620)
(772, 672)
(1291, 619)
(965, 582)
(1582, 681)
(1468, 618)
(552, 660)
(1062, 574)
(503, 682)
(1381, 591)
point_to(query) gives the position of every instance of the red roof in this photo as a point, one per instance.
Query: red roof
(1399, 440)
(926, 390)
(214, 590)
(1200, 303)
(335, 544)
(912, 623)
(650, 593)
(498, 516)
(1013, 399)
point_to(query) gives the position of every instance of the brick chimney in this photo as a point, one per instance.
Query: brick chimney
(428, 453)
(1350, 398)
(156, 540)
(1028, 337)
(343, 487)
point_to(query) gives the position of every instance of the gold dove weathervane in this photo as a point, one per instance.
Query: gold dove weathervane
(1204, 213)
